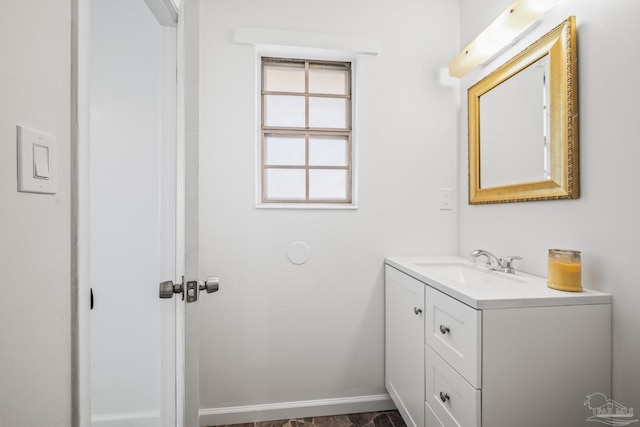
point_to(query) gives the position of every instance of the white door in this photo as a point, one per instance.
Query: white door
(134, 243)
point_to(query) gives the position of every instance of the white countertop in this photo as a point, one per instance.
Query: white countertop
(491, 289)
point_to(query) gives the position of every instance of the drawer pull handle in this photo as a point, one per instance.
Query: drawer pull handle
(444, 329)
(444, 396)
(417, 310)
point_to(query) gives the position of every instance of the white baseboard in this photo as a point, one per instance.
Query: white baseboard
(138, 419)
(301, 409)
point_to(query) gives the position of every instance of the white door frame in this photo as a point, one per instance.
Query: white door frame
(81, 319)
(186, 320)
(188, 72)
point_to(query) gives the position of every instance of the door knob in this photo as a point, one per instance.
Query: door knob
(167, 289)
(212, 284)
(191, 288)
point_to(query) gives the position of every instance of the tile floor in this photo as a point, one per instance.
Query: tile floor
(368, 419)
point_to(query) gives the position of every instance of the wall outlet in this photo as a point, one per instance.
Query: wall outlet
(446, 199)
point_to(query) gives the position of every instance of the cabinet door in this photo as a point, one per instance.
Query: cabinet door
(404, 344)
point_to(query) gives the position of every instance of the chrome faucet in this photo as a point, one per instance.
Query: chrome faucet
(492, 261)
(504, 265)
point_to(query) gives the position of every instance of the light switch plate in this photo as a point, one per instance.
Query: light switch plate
(37, 162)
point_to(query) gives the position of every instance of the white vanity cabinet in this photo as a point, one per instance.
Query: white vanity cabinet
(520, 359)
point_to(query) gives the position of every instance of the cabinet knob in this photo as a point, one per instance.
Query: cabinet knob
(444, 396)
(417, 310)
(444, 329)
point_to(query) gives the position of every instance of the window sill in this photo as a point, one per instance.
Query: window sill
(308, 206)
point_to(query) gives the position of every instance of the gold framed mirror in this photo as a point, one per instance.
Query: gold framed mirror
(523, 124)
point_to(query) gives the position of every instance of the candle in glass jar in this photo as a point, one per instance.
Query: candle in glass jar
(565, 270)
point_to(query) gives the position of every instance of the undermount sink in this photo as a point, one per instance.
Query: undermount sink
(467, 273)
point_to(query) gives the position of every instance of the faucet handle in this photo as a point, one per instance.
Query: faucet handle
(506, 263)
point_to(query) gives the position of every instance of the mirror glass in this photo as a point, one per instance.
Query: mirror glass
(523, 127)
(514, 129)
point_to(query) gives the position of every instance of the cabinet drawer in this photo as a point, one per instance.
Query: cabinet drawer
(453, 400)
(430, 419)
(453, 330)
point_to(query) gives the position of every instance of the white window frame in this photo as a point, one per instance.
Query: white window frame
(307, 133)
(307, 45)
(313, 55)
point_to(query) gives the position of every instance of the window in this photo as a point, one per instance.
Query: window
(306, 131)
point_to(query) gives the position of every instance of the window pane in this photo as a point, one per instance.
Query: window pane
(328, 151)
(287, 184)
(284, 150)
(328, 184)
(328, 113)
(328, 80)
(284, 78)
(285, 111)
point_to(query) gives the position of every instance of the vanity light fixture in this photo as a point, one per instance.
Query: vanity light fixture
(508, 27)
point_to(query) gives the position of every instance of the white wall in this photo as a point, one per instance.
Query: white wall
(603, 222)
(35, 239)
(277, 332)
